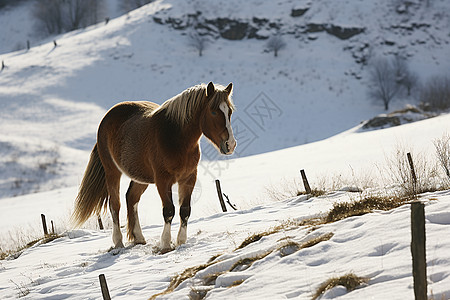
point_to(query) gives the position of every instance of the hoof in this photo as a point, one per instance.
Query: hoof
(165, 250)
(119, 246)
(139, 242)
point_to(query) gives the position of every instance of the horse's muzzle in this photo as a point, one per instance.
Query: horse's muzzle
(226, 148)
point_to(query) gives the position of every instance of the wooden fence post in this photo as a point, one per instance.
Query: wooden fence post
(413, 173)
(104, 287)
(305, 182)
(44, 224)
(100, 223)
(219, 193)
(53, 227)
(418, 250)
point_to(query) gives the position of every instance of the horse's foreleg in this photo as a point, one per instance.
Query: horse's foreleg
(134, 193)
(165, 191)
(185, 189)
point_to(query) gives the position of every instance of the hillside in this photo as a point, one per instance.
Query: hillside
(300, 110)
(53, 98)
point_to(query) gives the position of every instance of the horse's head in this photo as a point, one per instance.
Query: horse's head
(216, 118)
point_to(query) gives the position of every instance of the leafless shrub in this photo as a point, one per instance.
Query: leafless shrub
(399, 173)
(435, 94)
(275, 44)
(442, 146)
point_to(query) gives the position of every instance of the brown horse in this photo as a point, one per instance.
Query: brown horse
(154, 144)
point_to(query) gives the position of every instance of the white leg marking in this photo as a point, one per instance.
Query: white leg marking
(137, 231)
(182, 235)
(117, 236)
(231, 140)
(165, 237)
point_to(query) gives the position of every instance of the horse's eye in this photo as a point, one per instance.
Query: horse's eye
(213, 113)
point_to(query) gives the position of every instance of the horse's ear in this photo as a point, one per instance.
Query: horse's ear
(210, 89)
(229, 88)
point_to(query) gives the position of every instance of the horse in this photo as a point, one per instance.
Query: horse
(154, 144)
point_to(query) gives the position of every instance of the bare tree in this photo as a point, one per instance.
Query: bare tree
(384, 81)
(404, 76)
(198, 42)
(57, 16)
(435, 94)
(49, 15)
(275, 44)
(129, 5)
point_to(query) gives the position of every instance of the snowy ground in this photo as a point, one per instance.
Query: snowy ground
(367, 246)
(375, 246)
(52, 99)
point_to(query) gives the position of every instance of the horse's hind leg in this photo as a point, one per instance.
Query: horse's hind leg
(134, 193)
(113, 185)
(185, 189)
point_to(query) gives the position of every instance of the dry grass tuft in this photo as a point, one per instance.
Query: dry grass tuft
(314, 193)
(366, 205)
(245, 263)
(350, 281)
(315, 241)
(254, 238)
(291, 247)
(288, 189)
(15, 253)
(179, 278)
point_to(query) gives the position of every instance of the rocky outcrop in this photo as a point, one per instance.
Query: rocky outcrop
(407, 115)
(340, 32)
(255, 28)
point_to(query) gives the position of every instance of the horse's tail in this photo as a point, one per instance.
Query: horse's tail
(93, 194)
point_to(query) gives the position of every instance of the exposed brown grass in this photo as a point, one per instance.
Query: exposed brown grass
(366, 205)
(15, 253)
(287, 189)
(254, 238)
(350, 281)
(179, 278)
(315, 241)
(314, 192)
(245, 263)
(291, 247)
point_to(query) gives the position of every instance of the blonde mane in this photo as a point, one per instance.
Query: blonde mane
(181, 107)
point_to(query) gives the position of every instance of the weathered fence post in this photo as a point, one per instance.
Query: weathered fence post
(104, 287)
(219, 193)
(413, 173)
(53, 227)
(418, 250)
(100, 223)
(305, 182)
(44, 224)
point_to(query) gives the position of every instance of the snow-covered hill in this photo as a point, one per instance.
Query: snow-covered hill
(300, 110)
(52, 99)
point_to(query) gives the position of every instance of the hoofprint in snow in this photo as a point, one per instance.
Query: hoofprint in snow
(375, 246)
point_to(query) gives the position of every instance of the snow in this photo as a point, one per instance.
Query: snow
(52, 99)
